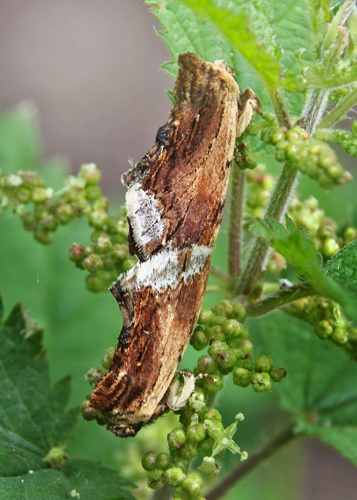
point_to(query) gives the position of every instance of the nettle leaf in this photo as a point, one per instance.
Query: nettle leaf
(342, 268)
(231, 30)
(34, 420)
(295, 246)
(320, 389)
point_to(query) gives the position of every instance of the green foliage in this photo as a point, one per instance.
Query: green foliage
(320, 390)
(297, 57)
(35, 425)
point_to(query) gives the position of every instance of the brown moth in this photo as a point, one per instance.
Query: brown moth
(175, 200)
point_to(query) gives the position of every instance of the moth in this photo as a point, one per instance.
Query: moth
(175, 199)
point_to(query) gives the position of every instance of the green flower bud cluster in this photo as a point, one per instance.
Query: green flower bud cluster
(347, 140)
(202, 432)
(108, 255)
(242, 155)
(312, 157)
(337, 94)
(334, 48)
(329, 323)
(229, 351)
(42, 211)
(321, 229)
(259, 186)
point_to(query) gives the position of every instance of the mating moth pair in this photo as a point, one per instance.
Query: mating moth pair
(175, 201)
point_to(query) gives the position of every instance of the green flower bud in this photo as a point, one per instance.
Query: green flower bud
(205, 447)
(324, 329)
(195, 433)
(64, 213)
(263, 364)
(95, 283)
(120, 252)
(223, 308)
(56, 457)
(176, 438)
(103, 245)
(340, 336)
(92, 193)
(88, 412)
(209, 467)
(211, 414)
(186, 416)
(101, 204)
(205, 316)
(261, 382)
(90, 173)
(247, 347)
(217, 320)
(156, 479)
(48, 223)
(43, 236)
(149, 461)
(23, 195)
(238, 311)
(217, 349)
(199, 339)
(29, 221)
(226, 361)
(93, 263)
(80, 207)
(188, 452)
(39, 195)
(277, 374)
(248, 363)
(241, 377)
(162, 461)
(174, 476)
(233, 329)
(192, 484)
(215, 333)
(108, 358)
(94, 376)
(206, 364)
(76, 252)
(98, 218)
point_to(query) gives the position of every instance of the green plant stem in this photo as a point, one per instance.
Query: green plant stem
(279, 299)
(253, 461)
(340, 110)
(314, 108)
(236, 221)
(221, 275)
(277, 208)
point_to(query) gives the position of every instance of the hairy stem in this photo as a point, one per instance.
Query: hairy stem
(314, 108)
(340, 110)
(279, 299)
(236, 221)
(277, 208)
(253, 461)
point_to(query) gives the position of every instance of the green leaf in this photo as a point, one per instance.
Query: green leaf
(298, 250)
(34, 420)
(19, 139)
(197, 29)
(236, 28)
(342, 268)
(320, 389)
